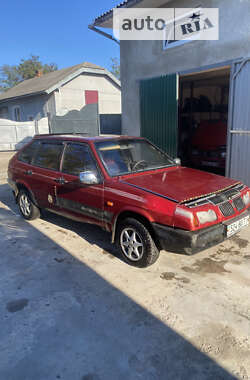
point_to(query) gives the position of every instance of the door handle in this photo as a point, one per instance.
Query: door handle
(60, 180)
(29, 172)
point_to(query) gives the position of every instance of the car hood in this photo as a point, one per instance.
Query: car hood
(180, 184)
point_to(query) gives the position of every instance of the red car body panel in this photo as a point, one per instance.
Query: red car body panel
(210, 147)
(73, 191)
(179, 183)
(127, 198)
(216, 137)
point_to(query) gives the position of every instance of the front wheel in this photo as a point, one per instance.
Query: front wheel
(136, 244)
(27, 208)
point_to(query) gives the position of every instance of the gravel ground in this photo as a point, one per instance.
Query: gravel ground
(72, 309)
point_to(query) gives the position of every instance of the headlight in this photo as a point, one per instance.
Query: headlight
(184, 217)
(246, 198)
(206, 216)
(182, 212)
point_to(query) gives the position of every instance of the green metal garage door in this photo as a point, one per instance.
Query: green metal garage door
(159, 112)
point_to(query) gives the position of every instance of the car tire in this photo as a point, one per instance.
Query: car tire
(136, 244)
(26, 206)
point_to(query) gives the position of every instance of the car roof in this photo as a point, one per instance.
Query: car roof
(83, 138)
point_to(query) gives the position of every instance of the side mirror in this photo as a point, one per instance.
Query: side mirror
(88, 178)
(177, 161)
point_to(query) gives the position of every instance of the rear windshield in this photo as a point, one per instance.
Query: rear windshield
(131, 156)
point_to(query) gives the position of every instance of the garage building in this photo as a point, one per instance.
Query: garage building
(191, 98)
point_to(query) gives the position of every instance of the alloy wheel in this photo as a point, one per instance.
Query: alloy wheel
(25, 205)
(131, 244)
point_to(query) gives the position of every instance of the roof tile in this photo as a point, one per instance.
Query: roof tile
(39, 85)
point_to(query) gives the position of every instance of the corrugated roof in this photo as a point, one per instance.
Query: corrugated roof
(41, 84)
(104, 20)
(108, 14)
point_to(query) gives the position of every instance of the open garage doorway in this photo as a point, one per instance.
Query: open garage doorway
(203, 119)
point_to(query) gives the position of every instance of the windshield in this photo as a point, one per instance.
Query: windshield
(131, 156)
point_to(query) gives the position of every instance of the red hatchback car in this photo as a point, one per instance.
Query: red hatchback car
(130, 188)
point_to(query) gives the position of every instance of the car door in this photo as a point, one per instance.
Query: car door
(74, 198)
(45, 173)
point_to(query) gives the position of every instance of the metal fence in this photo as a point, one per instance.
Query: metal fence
(13, 134)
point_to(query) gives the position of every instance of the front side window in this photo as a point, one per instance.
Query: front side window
(49, 155)
(28, 153)
(131, 156)
(78, 158)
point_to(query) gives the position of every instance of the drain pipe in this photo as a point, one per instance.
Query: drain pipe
(109, 36)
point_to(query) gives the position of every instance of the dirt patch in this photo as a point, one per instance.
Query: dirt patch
(63, 232)
(217, 339)
(231, 250)
(247, 257)
(171, 276)
(17, 305)
(206, 266)
(168, 276)
(242, 243)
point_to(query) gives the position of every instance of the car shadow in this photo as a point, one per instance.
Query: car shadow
(62, 320)
(91, 233)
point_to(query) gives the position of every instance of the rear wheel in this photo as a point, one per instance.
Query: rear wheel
(136, 244)
(26, 206)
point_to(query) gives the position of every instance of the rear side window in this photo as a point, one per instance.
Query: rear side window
(49, 155)
(77, 158)
(28, 153)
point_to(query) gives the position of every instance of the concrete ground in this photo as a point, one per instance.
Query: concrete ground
(71, 309)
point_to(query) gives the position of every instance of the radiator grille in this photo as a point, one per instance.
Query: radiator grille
(231, 193)
(217, 199)
(226, 209)
(239, 204)
(220, 198)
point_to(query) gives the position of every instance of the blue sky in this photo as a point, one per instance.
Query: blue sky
(56, 30)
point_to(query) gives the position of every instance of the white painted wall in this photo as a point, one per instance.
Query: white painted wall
(71, 96)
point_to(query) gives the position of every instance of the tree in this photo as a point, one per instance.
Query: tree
(115, 67)
(28, 68)
(10, 76)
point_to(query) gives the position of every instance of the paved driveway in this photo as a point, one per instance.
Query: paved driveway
(71, 309)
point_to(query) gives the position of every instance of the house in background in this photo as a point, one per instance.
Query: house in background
(191, 98)
(82, 95)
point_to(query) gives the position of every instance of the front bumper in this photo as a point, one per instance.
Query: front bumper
(190, 242)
